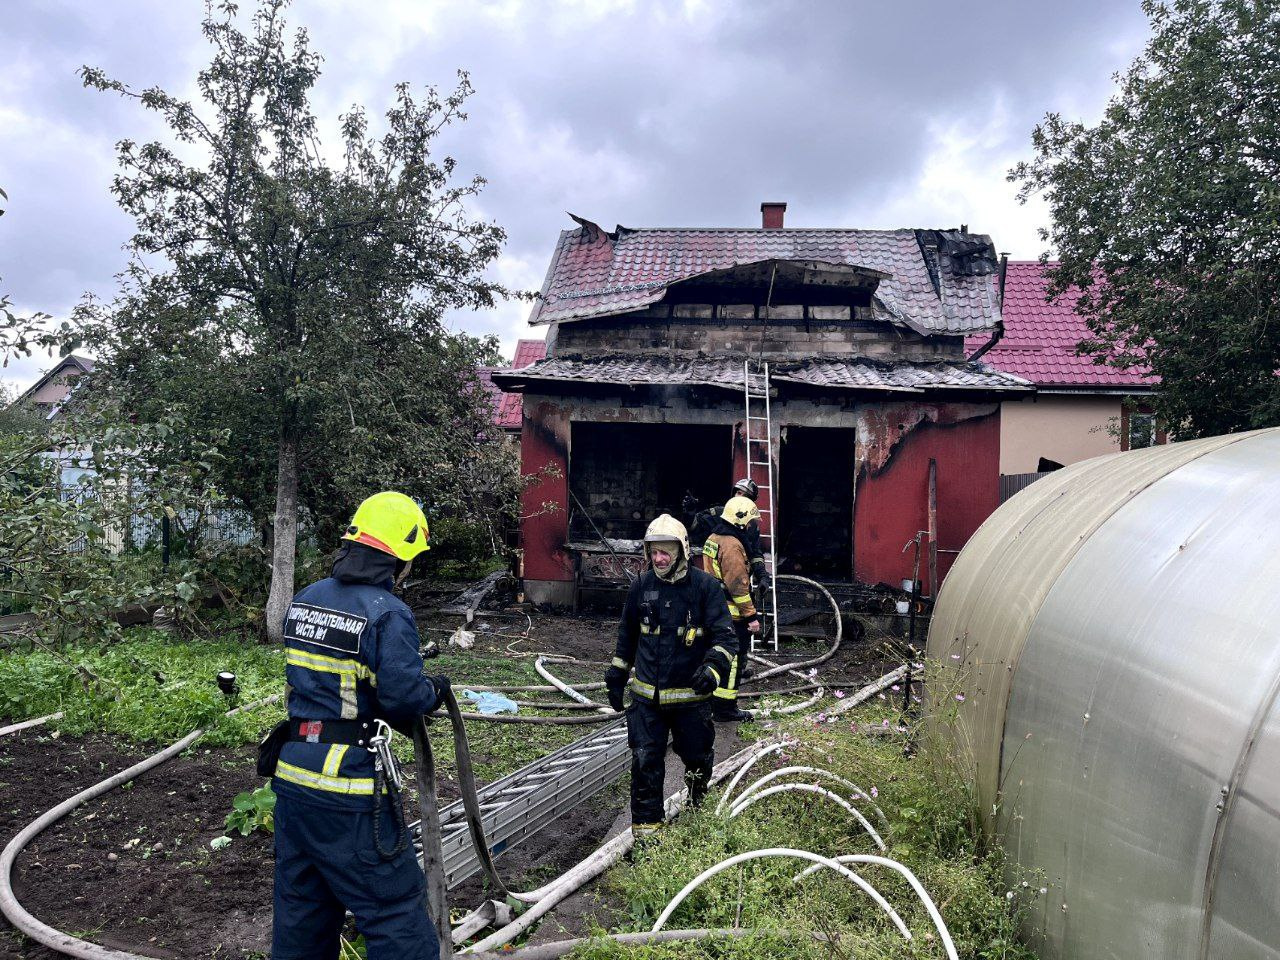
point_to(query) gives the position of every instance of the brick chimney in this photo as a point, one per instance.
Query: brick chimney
(771, 215)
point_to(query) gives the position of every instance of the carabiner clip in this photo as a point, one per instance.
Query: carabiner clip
(383, 758)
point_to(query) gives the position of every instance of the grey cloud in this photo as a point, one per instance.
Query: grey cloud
(643, 116)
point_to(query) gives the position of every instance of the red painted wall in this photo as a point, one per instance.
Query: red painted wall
(892, 501)
(544, 504)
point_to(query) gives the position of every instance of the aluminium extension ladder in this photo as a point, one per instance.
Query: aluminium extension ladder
(760, 463)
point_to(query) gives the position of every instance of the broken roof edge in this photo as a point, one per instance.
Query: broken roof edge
(664, 371)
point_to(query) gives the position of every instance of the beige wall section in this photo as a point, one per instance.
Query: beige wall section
(1067, 429)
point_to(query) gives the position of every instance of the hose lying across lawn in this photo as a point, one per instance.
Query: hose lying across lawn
(41, 933)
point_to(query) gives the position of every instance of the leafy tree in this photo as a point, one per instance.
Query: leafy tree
(69, 555)
(295, 301)
(1167, 214)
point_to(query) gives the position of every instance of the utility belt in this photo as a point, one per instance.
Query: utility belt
(368, 732)
(355, 733)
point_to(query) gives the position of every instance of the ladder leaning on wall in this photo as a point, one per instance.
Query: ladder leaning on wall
(760, 468)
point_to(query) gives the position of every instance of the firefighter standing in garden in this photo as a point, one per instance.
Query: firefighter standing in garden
(353, 666)
(677, 633)
(725, 556)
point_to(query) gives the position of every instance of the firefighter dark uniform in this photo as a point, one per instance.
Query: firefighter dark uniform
(676, 632)
(702, 524)
(351, 654)
(725, 558)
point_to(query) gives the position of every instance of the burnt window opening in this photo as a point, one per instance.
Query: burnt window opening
(625, 474)
(815, 510)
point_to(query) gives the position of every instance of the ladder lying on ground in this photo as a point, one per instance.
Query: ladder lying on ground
(518, 806)
(760, 463)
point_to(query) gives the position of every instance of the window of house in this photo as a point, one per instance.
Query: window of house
(1142, 430)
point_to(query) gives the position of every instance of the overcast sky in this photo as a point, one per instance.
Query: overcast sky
(862, 113)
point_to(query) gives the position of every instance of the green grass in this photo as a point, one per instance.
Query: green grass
(931, 831)
(147, 687)
(151, 687)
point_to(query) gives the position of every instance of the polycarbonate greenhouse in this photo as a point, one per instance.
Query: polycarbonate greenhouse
(1114, 631)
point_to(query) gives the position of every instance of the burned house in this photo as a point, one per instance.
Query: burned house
(655, 336)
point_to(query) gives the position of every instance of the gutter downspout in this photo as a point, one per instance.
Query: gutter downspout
(998, 333)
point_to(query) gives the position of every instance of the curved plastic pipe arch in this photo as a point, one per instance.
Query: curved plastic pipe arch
(786, 771)
(744, 802)
(912, 879)
(817, 859)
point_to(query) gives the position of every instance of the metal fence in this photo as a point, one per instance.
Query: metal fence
(142, 530)
(1011, 483)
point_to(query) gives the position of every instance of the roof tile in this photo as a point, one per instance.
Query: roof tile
(594, 273)
(1040, 337)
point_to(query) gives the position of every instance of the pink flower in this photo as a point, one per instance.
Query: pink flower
(880, 695)
(955, 656)
(885, 724)
(839, 694)
(901, 728)
(914, 698)
(822, 717)
(895, 688)
(874, 793)
(960, 697)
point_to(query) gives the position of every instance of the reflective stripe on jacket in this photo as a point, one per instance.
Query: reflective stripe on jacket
(669, 630)
(728, 563)
(351, 651)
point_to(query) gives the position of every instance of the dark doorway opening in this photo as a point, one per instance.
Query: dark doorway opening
(815, 510)
(625, 474)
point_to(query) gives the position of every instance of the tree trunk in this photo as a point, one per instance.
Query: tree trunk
(284, 539)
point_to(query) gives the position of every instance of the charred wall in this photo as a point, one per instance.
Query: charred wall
(776, 333)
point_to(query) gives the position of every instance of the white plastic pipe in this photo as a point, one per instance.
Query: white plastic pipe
(912, 879)
(547, 897)
(744, 802)
(754, 756)
(820, 861)
(27, 724)
(818, 771)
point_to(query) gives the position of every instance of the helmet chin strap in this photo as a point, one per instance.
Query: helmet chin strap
(403, 574)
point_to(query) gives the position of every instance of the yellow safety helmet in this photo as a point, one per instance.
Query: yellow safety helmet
(392, 523)
(740, 511)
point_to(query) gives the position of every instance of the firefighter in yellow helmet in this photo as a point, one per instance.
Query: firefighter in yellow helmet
(727, 558)
(351, 661)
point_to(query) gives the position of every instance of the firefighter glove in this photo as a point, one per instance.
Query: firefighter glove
(704, 680)
(615, 680)
(442, 686)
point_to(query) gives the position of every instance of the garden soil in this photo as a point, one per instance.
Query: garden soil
(134, 869)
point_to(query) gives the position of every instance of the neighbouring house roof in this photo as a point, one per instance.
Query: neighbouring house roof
(595, 273)
(727, 373)
(506, 406)
(1040, 337)
(72, 364)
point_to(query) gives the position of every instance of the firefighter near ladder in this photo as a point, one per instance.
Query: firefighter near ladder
(354, 671)
(677, 633)
(726, 556)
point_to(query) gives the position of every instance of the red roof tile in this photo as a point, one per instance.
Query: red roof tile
(594, 273)
(507, 411)
(1040, 337)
